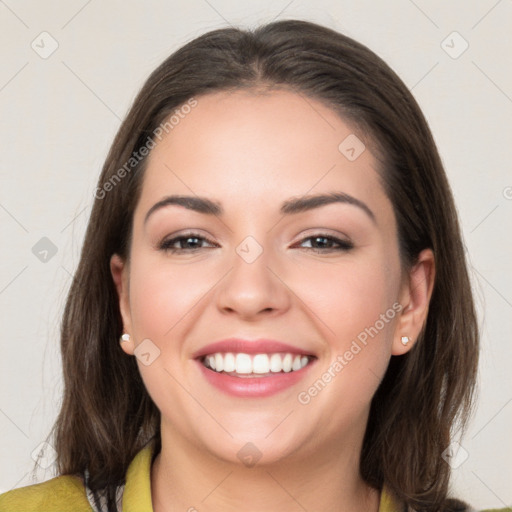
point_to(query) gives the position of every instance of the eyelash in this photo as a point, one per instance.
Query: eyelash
(343, 245)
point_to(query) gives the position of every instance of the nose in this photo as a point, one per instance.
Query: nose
(253, 288)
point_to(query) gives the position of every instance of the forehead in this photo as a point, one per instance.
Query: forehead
(257, 148)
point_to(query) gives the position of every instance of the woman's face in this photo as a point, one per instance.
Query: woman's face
(269, 266)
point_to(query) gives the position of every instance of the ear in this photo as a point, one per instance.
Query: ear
(120, 273)
(415, 295)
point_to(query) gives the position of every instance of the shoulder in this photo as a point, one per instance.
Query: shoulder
(67, 492)
(389, 502)
(62, 493)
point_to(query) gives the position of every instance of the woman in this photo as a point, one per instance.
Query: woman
(272, 309)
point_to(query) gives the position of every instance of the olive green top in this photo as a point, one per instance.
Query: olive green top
(67, 493)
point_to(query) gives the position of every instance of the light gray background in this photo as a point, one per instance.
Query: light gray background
(59, 115)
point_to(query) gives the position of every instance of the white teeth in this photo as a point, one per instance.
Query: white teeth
(243, 363)
(229, 363)
(287, 363)
(258, 364)
(276, 363)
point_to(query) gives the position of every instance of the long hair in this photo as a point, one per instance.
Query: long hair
(107, 415)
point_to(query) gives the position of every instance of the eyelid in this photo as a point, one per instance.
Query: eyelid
(341, 244)
(324, 232)
(342, 241)
(189, 233)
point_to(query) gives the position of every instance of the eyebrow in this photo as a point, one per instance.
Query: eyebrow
(289, 207)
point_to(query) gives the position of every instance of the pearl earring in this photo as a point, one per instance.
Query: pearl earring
(125, 337)
(405, 340)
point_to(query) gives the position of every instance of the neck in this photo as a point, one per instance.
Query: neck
(184, 478)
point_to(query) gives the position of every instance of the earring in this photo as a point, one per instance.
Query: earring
(124, 337)
(405, 340)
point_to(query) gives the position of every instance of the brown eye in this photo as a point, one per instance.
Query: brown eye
(326, 243)
(185, 243)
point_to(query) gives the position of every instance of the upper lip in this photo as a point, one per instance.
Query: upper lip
(258, 346)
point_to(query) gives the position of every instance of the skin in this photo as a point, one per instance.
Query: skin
(250, 151)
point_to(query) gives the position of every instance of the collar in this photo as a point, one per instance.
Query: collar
(137, 491)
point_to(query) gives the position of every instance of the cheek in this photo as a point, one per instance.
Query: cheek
(357, 309)
(163, 298)
(161, 295)
(350, 300)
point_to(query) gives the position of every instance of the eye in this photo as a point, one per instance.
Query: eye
(189, 242)
(192, 242)
(326, 243)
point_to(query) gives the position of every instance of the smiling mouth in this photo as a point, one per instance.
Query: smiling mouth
(255, 365)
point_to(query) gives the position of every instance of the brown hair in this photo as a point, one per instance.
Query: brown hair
(107, 415)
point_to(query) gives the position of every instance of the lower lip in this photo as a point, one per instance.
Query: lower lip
(253, 387)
